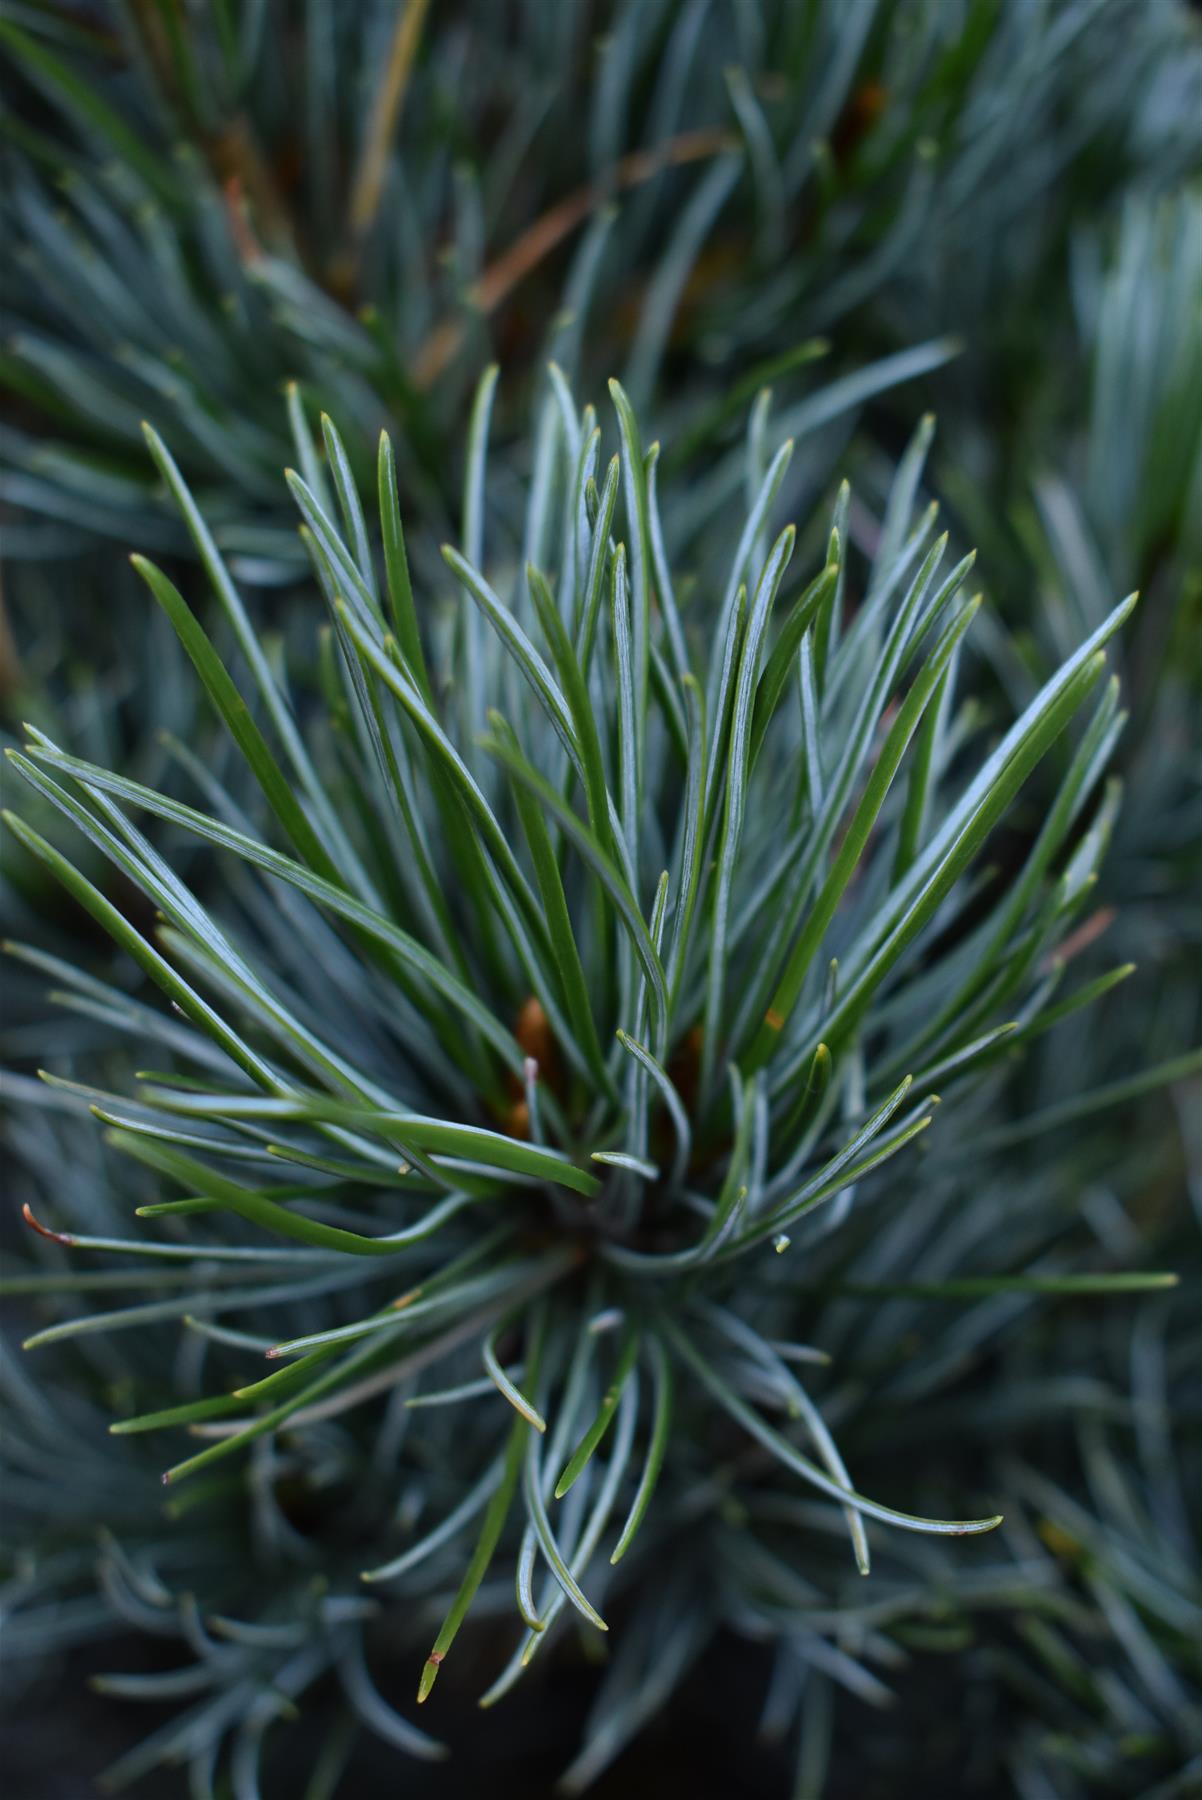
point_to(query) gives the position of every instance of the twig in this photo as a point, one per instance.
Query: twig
(385, 114)
(548, 232)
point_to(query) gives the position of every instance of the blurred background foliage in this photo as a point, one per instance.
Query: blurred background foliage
(986, 209)
(373, 202)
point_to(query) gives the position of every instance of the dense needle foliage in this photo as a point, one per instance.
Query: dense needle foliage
(599, 948)
(375, 201)
(725, 990)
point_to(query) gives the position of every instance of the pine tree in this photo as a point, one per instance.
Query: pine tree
(562, 916)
